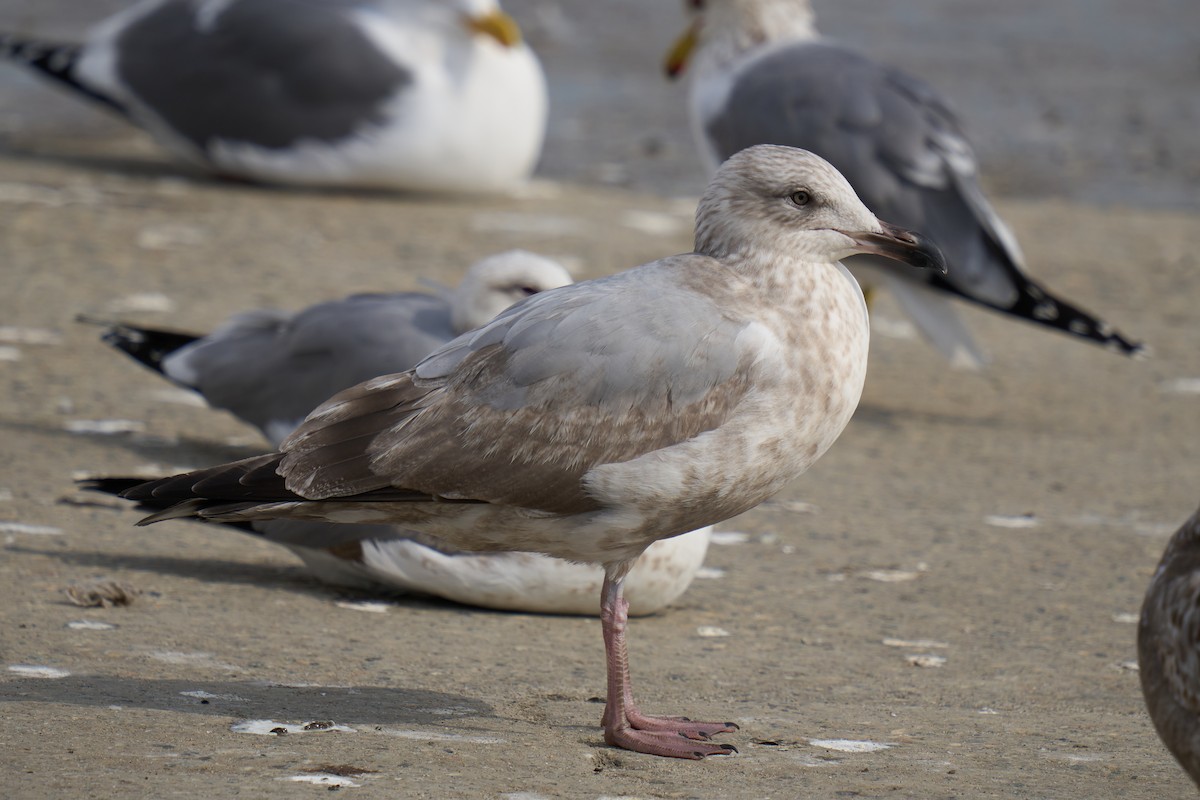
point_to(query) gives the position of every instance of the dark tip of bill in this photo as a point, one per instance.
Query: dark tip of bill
(934, 259)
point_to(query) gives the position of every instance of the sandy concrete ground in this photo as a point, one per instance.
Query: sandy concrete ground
(1006, 522)
(915, 536)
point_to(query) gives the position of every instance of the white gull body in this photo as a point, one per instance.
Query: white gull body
(421, 95)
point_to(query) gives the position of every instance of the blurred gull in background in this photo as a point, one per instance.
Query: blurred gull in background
(761, 74)
(271, 368)
(421, 95)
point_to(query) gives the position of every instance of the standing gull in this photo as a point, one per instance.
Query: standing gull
(424, 95)
(761, 74)
(593, 420)
(1169, 647)
(271, 368)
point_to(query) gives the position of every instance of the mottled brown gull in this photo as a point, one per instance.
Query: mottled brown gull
(426, 95)
(271, 368)
(761, 74)
(1169, 647)
(589, 421)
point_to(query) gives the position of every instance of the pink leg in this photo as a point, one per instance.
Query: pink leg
(624, 725)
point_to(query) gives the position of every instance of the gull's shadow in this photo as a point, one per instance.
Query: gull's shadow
(149, 446)
(207, 570)
(875, 414)
(362, 705)
(107, 163)
(212, 570)
(164, 167)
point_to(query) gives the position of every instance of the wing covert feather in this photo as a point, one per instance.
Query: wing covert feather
(517, 412)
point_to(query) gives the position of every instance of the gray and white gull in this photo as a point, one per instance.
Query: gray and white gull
(761, 74)
(593, 420)
(422, 95)
(271, 368)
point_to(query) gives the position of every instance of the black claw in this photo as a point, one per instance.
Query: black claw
(733, 725)
(728, 748)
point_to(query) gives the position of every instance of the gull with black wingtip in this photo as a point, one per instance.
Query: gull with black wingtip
(761, 74)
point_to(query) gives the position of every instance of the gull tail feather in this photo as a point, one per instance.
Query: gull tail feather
(240, 491)
(188, 509)
(119, 485)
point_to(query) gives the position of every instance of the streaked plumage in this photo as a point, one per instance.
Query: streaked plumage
(595, 419)
(270, 368)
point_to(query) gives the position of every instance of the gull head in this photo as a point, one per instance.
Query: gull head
(783, 202)
(485, 18)
(497, 282)
(726, 29)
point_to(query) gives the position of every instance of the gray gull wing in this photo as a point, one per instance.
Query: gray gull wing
(271, 369)
(235, 75)
(897, 143)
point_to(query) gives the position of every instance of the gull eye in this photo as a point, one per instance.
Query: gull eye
(800, 197)
(528, 291)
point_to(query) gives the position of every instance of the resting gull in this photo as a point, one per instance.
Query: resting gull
(592, 420)
(270, 368)
(425, 95)
(1169, 647)
(761, 74)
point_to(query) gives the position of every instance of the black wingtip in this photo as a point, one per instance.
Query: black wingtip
(54, 60)
(1050, 310)
(1037, 304)
(128, 488)
(109, 485)
(149, 346)
(1103, 334)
